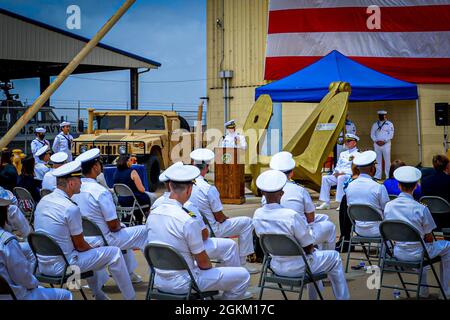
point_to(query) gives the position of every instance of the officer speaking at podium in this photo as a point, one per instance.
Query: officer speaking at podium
(232, 139)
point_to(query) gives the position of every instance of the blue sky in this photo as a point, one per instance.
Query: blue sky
(172, 32)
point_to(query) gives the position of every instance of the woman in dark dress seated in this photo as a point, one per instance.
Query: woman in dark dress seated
(128, 176)
(438, 184)
(27, 181)
(8, 172)
(392, 185)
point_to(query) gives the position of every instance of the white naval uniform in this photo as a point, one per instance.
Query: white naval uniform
(382, 131)
(36, 144)
(19, 224)
(61, 144)
(40, 169)
(230, 141)
(58, 217)
(364, 190)
(344, 165)
(349, 128)
(96, 203)
(405, 208)
(224, 250)
(322, 230)
(171, 225)
(15, 269)
(207, 199)
(49, 181)
(273, 218)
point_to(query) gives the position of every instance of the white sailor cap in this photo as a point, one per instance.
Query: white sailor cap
(162, 176)
(68, 170)
(64, 123)
(282, 161)
(91, 154)
(351, 136)
(382, 112)
(42, 150)
(202, 155)
(6, 197)
(40, 130)
(59, 157)
(407, 174)
(185, 173)
(230, 124)
(271, 181)
(365, 158)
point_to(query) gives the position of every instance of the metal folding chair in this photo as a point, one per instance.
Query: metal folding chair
(440, 210)
(206, 221)
(392, 196)
(91, 229)
(164, 257)
(285, 246)
(26, 202)
(363, 213)
(44, 246)
(45, 192)
(122, 190)
(393, 231)
(5, 289)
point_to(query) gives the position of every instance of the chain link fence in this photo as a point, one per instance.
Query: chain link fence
(60, 110)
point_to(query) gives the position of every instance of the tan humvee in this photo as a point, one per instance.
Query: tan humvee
(149, 135)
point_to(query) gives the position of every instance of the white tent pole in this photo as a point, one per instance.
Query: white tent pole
(419, 134)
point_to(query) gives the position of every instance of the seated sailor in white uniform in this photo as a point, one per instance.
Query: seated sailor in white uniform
(349, 128)
(96, 204)
(172, 224)
(57, 160)
(273, 218)
(17, 223)
(296, 197)
(220, 249)
(342, 172)
(16, 269)
(364, 190)
(206, 198)
(39, 142)
(232, 139)
(406, 209)
(41, 167)
(60, 218)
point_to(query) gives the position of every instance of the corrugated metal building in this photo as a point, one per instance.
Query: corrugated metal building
(29, 48)
(236, 40)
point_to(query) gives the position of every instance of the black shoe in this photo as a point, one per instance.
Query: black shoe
(345, 246)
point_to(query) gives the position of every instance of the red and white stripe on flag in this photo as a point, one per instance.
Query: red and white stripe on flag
(411, 41)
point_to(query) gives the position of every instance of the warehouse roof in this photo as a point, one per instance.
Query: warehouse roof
(29, 48)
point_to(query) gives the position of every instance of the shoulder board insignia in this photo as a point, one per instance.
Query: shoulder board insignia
(295, 182)
(188, 212)
(9, 239)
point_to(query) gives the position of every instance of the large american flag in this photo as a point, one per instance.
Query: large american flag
(412, 44)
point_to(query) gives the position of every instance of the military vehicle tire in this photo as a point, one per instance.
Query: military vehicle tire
(153, 169)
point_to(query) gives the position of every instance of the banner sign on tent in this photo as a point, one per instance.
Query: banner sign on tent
(406, 39)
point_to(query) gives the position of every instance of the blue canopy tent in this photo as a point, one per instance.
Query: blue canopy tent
(311, 83)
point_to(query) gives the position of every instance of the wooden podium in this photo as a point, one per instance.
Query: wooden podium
(229, 174)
